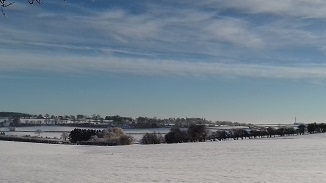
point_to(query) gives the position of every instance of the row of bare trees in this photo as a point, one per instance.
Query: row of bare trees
(237, 134)
(200, 133)
(316, 127)
(176, 135)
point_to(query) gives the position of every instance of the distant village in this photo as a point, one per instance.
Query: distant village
(8, 119)
(13, 119)
(65, 120)
(181, 129)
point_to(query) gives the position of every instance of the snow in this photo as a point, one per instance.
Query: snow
(289, 159)
(56, 131)
(68, 129)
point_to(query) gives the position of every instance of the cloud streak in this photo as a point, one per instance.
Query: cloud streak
(294, 8)
(158, 67)
(203, 39)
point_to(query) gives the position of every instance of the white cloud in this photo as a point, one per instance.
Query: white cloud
(296, 8)
(234, 32)
(165, 30)
(150, 67)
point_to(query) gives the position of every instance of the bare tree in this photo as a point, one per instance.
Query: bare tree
(64, 136)
(33, 1)
(4, 4)
(38, 132)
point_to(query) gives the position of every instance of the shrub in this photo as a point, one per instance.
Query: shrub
(197, 132)
(113, 133)
(81, 135)
(125, 140)
(64, 136)
(109, 136)
(152, 138)
(176, 135)
(38, 132)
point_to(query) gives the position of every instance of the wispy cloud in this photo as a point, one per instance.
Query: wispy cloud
(235, 32)
(200, 38)
(150, 67)
(295, 8)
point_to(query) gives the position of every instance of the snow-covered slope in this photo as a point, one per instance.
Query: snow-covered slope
(291, 159)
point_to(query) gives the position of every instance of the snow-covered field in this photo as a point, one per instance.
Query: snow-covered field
(290, 159)
(137, 134)
(68, 129)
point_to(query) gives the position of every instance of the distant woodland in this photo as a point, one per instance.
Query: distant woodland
(24, 119)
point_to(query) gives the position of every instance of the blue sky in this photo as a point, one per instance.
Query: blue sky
(242, 60)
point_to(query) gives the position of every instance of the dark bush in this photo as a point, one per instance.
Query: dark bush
(301, 129)
(81, 134)
(240, 133)
(197, 132)
(176, 135)
(125, 140)
(271, 131)
(108, 136)
(221, 135)
(152, 138)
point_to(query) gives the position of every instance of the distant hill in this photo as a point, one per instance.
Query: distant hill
(14, 115)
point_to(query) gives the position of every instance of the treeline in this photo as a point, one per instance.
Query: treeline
(237, 134)
(14, 115)
(176, 135)
(316, 127)
(107, 137)
(96, 120)
(199, 133)
(145, 122)
(31, 139)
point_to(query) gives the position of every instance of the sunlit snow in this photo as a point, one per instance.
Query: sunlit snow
(288, 159)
